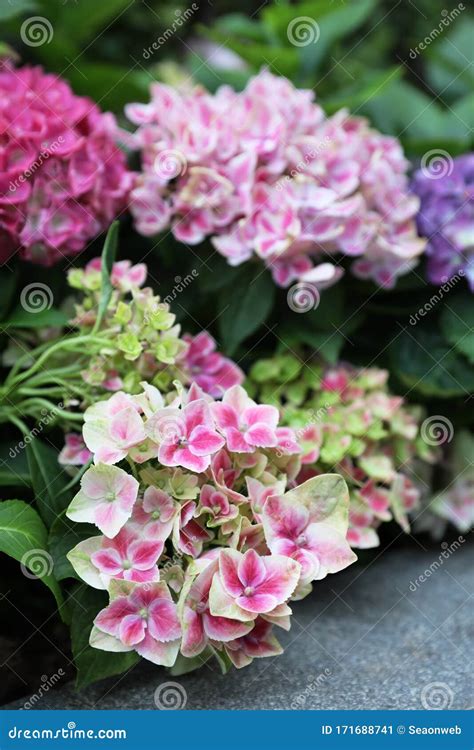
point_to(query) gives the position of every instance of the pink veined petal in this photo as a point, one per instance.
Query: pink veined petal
(108, 620)
(257, 602)
(267, 415)
(197, 414)
(141, 576)
(331, 548)
(261, 436)
(194, 639)
(203, 441)
(132, 630)
(283, 546)
(228, 568)
(236, 442)
(225, 416)
(251, 569)
(186, 458)
(144, 554)
(223, 628)
(108, 454)
(163, 622)
(127, 493)
(237, 398)
(283, 574)
(163, 654)
(108, 561)
(167, 454)
(127, 427)
(109, 518)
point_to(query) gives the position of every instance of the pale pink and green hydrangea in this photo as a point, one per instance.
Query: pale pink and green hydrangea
(193, 547)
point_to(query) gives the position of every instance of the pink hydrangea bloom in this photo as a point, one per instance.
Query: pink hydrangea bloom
(155, 513)
(113, 427)
(106, 498)
(129, 557)
(248, 584)
(265, 172)
(75, 452)
(187, 437)
(63, 177)
(299, 531)
(199, 625)
(259, 642)
(213, 372)
(245, 424)
(144, 620)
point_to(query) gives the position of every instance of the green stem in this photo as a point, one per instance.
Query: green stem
(67, 343)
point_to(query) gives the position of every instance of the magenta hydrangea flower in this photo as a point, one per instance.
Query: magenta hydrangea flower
(63, 177)
(144, 620)
(446, 217)
(106, 498)
(295, 526)
(186, 554)
(187, 437)
(264, 172)
(199, 625)
(245, 424)
(75, 451)
(248, 584)
(213, 372)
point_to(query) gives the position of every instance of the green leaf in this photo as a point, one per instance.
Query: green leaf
(457, 324)
(8, 281)
(108, 257)
(423, 360)
(11, 10)
(23, 536)
(245, 309)
(21, 318)
(93, 664)
(14, 471)
(48, 480)
(63, 536)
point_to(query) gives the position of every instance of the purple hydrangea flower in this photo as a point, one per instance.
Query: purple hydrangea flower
(446, 217)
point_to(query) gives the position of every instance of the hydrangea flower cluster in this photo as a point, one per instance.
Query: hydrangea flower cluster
(265, 172)
(346, 420)
(63, 177)
(145, 341)
(446, 217)
(136, 339)
(200, 548)
(454, 504)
